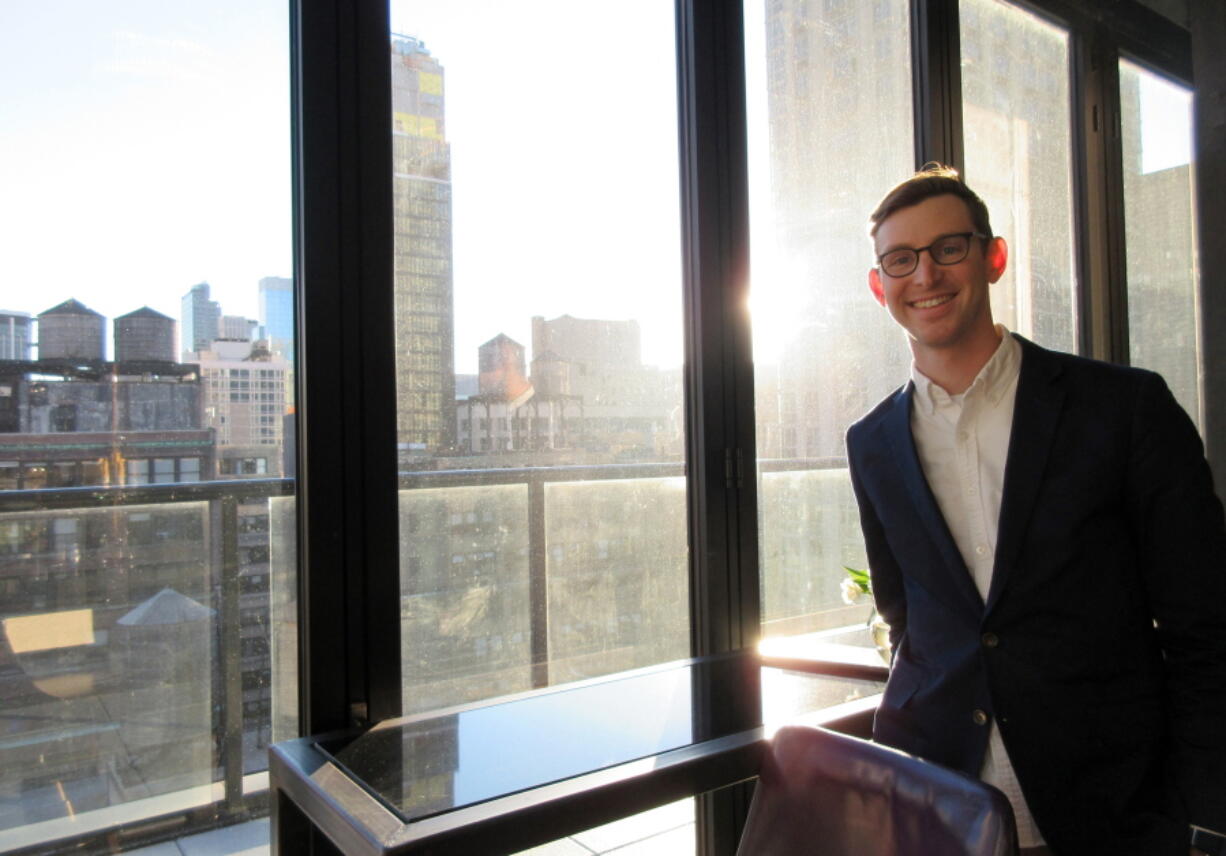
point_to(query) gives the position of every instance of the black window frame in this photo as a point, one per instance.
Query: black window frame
(348, 575)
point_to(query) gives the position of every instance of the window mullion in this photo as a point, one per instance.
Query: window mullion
(937, 82)
(348, 583)
(1100, 199)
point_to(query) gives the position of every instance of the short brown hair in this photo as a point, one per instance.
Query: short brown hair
(933, 179)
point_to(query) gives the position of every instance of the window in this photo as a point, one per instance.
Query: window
(1017, 137)
(532, 188)
(1160, 219)
(824, 351)
(473, 287)
(124, 649)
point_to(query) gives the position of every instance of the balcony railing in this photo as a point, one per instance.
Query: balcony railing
(511, 579)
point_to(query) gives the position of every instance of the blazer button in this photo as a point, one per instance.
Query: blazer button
(990, 640)
(979, 717)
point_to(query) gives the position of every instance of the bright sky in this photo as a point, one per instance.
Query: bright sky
(1166, 121)
(563, 135)
(144, 147)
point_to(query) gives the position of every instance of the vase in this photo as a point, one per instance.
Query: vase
(880, 631)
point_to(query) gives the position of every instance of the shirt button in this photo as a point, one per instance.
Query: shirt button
(990, 640)
(963, 436)
(979, 717)
(980, 550)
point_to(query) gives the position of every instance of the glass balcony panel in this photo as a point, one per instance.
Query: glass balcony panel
(111, 683)
(1160, 230)
(283, 617)
(1017, 139)
(520, 172)
(465, 607)
(617, 572)
(810, 534)
(830, 131)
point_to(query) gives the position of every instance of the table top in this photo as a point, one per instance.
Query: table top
(511, 773)
(424, 765)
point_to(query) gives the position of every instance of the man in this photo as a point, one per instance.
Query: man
(1046, 546)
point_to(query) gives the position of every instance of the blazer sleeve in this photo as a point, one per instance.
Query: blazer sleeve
(1183, 559)
(883, 568)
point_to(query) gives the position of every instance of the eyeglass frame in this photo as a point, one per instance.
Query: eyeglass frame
(935, 260)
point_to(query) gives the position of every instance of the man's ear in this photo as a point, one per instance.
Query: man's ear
(875, 286)
(997, 258)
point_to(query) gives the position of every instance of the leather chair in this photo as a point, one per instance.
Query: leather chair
(823, 793)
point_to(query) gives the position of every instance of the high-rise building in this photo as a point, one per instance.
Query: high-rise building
(71, 331)
(628, 408)
(144, 335)
(421, 167)
(201, 317)
(236, 328)
(245, 400)
(14, 335)
(276, 314)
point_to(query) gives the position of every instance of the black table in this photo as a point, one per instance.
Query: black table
(513, 773)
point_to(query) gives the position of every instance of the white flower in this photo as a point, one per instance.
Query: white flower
(851, 591)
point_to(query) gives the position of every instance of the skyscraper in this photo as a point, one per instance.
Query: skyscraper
(421, 168)
(200, 318)
(276, 314)
(14, 335)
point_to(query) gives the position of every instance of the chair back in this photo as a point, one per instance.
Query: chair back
(820, 793)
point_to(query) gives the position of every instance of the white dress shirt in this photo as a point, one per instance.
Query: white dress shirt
(962, 441)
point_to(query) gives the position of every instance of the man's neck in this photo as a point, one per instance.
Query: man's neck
(955, 368)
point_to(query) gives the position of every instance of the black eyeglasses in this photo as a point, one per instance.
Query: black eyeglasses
(946, 250)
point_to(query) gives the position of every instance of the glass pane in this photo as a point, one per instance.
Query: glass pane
(538, 345)
(829, 101)
(1017, 139)
(1160, 230)
(136, 673)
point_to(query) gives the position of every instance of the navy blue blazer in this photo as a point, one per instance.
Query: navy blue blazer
(1101, 649)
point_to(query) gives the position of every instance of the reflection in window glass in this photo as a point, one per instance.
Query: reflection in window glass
(1016, 131)
(829, 100)
(143, 149)
(1160, 230)
(538, 306)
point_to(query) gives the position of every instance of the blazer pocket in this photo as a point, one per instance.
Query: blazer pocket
(893, 724)
(901, 686)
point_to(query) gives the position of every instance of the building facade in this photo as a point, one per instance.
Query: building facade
(245, 392)
(64, 426)
(16, 335)
(422, 260)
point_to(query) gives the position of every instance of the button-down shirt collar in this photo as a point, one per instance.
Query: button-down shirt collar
(993, 380)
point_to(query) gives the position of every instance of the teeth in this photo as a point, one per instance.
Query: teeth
(932, 301)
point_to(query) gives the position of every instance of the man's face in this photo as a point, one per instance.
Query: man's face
(940, 306)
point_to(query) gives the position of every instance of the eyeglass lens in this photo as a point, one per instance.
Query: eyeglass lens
(946, 251)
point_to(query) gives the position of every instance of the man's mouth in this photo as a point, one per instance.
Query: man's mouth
(929, 302)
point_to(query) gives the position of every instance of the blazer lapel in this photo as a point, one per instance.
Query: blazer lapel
(897, 427)
(1036, 413)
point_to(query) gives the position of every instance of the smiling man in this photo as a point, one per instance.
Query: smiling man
(1045, 542)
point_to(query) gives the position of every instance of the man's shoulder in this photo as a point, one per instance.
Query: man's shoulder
(869, 421)
(1092, 374)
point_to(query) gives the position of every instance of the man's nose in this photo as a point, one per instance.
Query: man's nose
(926, 270)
